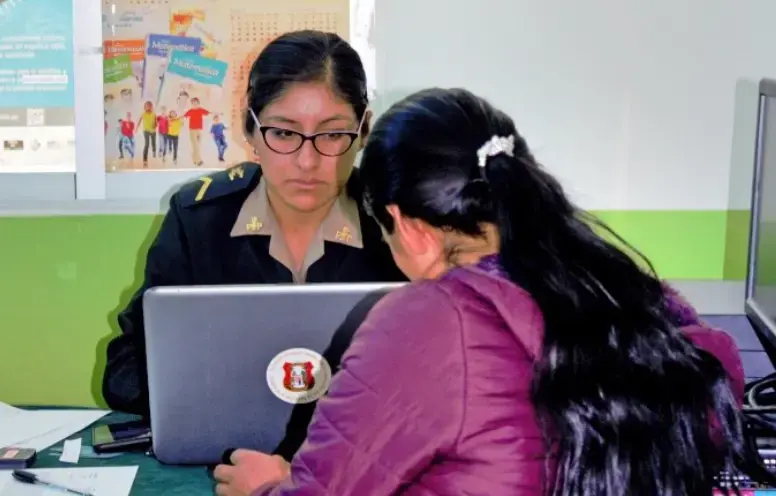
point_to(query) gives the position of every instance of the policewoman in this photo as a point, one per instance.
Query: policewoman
(297, 217)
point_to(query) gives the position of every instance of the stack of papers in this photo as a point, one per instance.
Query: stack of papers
(40, 429)
(108, 481)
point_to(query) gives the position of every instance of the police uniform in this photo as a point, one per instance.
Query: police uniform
(220, 230)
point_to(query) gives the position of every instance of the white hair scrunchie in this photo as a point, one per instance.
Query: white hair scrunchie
(494, 146)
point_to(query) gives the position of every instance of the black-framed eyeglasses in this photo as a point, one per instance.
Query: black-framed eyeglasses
(328, 143)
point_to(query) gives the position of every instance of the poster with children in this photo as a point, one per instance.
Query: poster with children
(176, 74)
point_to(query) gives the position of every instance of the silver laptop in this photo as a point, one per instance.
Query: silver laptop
(227, 364)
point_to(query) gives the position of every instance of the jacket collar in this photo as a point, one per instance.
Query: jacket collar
(342, 224)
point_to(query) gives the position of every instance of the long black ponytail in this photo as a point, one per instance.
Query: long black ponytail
(628, 400)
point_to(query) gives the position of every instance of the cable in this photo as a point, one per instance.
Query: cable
(755, 393)
(759, 429)
(760, 398)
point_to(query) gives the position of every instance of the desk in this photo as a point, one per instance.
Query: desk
(153, 478)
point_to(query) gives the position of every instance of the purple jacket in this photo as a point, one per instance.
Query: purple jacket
(433, 396)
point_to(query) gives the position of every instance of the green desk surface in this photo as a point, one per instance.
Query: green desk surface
(153, 478)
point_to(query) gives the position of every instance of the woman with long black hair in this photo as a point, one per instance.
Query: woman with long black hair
(531, 355)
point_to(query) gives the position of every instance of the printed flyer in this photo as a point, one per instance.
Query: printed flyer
(176, 73)
(37, 130)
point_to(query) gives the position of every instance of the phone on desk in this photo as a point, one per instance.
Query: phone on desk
(121, 436)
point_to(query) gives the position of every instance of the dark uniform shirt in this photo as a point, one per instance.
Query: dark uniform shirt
(220, 230)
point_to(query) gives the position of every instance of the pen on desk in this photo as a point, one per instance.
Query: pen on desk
(30, 478)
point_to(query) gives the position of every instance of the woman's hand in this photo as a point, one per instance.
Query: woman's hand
(249, 471)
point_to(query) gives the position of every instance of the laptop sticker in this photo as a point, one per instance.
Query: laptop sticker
(298, 376)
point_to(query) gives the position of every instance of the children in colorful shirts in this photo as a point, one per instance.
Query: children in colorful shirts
(217, 130)
(163, 127)
(148, 123)
(173, 133)
(127, 139)
(196, 116)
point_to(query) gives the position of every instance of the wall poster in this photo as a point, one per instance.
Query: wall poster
(37, 126)
(175, 73)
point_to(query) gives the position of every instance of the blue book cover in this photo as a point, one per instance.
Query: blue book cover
(157, 56)
(190, 76)
(192, 66)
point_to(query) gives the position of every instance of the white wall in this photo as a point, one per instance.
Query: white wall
(635, 104)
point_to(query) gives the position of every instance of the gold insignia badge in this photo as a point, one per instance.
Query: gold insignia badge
(236, 171)
(254, 225)
(344, 235)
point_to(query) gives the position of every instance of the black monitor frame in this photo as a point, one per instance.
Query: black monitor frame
(763, 325)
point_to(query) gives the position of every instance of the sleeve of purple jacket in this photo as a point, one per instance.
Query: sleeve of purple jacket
(724, 348)
(368, 435)
(717, 342)
(682, 313)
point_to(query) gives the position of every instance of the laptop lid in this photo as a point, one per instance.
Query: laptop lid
(227, 364)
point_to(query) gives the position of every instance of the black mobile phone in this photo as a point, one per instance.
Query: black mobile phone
(121, 436)
(16, 458)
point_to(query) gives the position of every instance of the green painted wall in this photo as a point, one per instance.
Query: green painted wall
(766, 266)
(63, 280)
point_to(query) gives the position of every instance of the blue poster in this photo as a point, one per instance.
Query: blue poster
(36, 53)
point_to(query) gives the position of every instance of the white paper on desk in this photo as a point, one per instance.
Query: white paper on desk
(71, 451)
(40, 429)
(77, 421)
(6, 409)
(105, 481)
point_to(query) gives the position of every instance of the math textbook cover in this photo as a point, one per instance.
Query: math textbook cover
(189, 76)
(157, 57)
(121, 89)
(135, 48)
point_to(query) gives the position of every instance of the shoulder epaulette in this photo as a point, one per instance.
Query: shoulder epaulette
(219, 184)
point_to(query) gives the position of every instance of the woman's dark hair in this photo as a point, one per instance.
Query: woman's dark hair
(626, 401)
(303, 57)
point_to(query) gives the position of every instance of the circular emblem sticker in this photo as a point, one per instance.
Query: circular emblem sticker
(298, 376)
